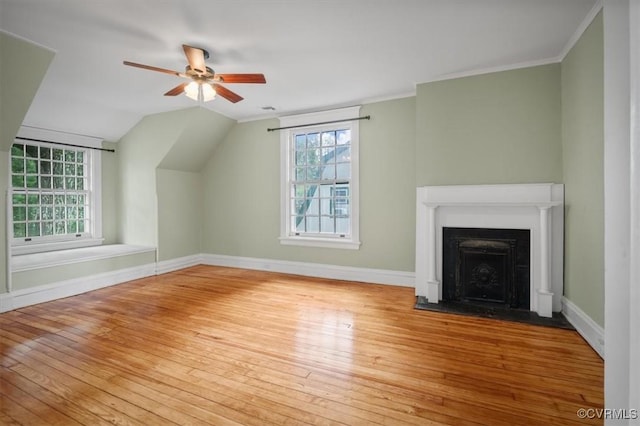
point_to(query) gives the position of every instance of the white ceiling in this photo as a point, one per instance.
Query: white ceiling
(315, 54)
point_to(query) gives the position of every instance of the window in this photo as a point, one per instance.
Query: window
(52, 196)
(320, 180)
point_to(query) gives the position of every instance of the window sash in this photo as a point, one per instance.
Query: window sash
(50, 196)
(319, 163)
(342, 119)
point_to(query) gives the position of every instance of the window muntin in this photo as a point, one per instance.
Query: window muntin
(50, 192)
(321, 175)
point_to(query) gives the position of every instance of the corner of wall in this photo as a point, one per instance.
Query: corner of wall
(592, 332)
(582, 116)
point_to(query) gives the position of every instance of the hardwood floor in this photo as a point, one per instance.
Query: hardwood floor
(217, 346)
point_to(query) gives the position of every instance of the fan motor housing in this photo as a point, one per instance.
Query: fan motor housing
(197, 74)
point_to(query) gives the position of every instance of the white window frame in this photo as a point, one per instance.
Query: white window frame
(301, 121)
(92, 236)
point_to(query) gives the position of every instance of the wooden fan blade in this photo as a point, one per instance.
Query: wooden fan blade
(195, 57)
(179, 89)
(242, 78)
(149, 67)
(227, 94)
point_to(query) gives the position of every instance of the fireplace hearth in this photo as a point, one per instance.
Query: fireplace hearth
(492, 311)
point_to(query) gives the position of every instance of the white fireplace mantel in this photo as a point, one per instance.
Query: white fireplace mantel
(536, 207)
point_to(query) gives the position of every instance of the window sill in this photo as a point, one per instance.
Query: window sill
(27, 262)
(320, 242)
(19, 250)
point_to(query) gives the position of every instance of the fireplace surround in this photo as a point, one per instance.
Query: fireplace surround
(538, 208)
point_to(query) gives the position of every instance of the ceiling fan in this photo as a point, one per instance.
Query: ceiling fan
(205, 83)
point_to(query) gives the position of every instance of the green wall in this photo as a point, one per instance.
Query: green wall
(179, 213)
(4, 186)
(110, 190)
(583, 171)
(494, 128)
(242, 193)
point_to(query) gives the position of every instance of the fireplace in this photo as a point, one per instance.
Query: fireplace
(486, 266)
(536, 208)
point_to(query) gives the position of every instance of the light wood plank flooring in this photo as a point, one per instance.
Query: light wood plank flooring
(218, 346)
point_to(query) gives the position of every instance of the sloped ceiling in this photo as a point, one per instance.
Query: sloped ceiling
(315, 54)
(203, 131)
(23, 65)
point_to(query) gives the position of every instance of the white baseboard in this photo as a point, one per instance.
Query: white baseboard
(58, 290)
(588, 328)
(347, 273)
(45, 293)
(165, 266)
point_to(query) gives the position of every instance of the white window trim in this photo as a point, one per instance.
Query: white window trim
(20, 248)
(299, 122)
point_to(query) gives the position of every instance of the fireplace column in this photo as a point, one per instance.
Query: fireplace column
(545, 296)
(433, 285)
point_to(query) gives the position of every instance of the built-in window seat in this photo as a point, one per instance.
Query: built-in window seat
(40, 277)
(27, 262)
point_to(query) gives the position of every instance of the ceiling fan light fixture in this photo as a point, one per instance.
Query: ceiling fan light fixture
(200, 92)
(208, 92)
(192, 90)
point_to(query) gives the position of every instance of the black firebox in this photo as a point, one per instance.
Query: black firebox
(484, 266)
